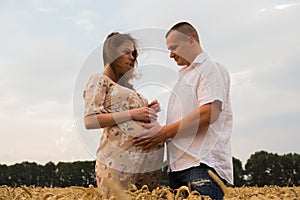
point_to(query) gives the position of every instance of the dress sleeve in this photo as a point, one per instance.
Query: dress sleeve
(95, 94)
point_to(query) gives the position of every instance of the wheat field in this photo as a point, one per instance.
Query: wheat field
(81, 193)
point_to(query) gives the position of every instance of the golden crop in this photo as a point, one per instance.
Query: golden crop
(75, 192)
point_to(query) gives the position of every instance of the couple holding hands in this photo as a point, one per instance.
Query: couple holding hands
(198, 124)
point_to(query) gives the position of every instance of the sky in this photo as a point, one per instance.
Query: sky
(48, 50)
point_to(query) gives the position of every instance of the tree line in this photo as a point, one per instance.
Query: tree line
(262, 168)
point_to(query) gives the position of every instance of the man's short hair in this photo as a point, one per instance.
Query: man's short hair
(186, 29)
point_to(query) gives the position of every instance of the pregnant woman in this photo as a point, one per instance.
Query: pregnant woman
(112, 104)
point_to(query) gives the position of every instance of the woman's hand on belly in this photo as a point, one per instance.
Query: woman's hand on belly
(145, 114)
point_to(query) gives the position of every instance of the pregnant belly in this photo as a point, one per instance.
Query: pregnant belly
(132, 128)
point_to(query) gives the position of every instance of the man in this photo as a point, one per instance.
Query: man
(199, 117)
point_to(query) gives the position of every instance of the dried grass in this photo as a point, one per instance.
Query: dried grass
(133, 193)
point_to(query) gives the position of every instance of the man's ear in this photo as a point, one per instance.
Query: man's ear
(192, 40)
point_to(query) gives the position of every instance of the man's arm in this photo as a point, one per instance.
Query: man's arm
(198, 120)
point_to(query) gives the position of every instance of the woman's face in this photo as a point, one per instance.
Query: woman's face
(125, 62)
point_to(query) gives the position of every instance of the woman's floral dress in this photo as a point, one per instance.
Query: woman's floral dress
(117, 157)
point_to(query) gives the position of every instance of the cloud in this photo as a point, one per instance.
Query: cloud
(285, 6)
(45, 71)
(36, 103)
(260, 93)
(86, 24)
(45, 9)
(41, 144)
(83, 19)
(241, 78)
(44, 43)
(278, 7)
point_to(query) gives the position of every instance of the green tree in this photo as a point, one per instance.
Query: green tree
(24, 173)
(75, 174)
(291, 169)
(49, 175)
(259, 168)
(87, 173)
(64, 175)
(238, 172)
(16, 175)
(3, 175)
(263, 168)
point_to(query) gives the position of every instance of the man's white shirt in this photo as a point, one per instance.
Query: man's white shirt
(200, 83)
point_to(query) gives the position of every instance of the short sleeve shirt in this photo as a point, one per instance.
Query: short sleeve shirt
(200, 83)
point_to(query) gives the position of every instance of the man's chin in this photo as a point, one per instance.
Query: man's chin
(180, 64)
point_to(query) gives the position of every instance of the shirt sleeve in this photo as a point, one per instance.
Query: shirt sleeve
(211, 86)
(95, 94)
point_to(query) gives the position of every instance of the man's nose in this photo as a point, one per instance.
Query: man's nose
(172, 54)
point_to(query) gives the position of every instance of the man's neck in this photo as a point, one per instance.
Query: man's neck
(198, 51)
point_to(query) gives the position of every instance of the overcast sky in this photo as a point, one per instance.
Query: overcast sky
(48, 49)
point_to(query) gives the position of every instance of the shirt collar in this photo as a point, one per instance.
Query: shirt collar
(197, 61)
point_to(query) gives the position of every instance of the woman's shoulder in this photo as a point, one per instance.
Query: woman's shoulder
(98, 79)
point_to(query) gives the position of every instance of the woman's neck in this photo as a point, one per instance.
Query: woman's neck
(108, 71)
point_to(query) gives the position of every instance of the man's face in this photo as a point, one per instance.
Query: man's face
(179, 47)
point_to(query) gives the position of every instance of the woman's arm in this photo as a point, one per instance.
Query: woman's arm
(103, 120)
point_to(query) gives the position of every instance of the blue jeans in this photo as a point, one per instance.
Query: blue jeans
(199, 179)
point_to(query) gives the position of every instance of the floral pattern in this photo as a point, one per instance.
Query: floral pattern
(117, 157)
